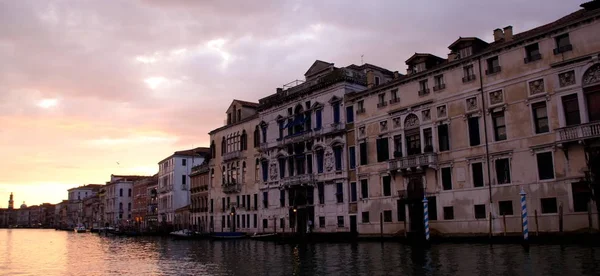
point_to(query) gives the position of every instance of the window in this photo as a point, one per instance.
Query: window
(581, 196)
(383, 150)
(121, 192)
(423, 88)
(545, 165)
(474, 137)
(309, 164)
(477, 172)
(365, 217)
(493, 65)
(468, 73)
(129, 192)
(387, 185)
(319, 119)
(183, 180)
(363, 153)
(310, 195)
(480, 211)
(397, 146)
(394, 96)
(265, 170)
(223, 204)
(382, 101)
(282, 223)
(243, 221)
(503, 171)
(336, 112)
(377, 80)
(505, 207)
(443, 138)
(432, 207)
(448, 213)
(499, 126)
(438, 83)
(387, 216)
(339, 193)
(266, 200)
(337, 153)
(320, 154)
(349, 114)
(571, 109)
(540, 117)
(352, 157)
(212, 205)
(321, 222)
(282, 198)
(281, 167)
(593, 102)
(129, 206)
(428, 140)
(353, 193)
(254, 221)
(563, 44)
(465, 52)
(401, 209)
(265, 223)
(360, 107)
(532, 53)
(264, 134)
(413, 142)
(340, 221)
(364, 188)
(549, 205)
(321, 192)
(281, 128)
(256, 137)
(447, 178)
(229, 218)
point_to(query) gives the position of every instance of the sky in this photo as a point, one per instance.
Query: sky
(94, 88)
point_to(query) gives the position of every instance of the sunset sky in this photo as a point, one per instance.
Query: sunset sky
(87, 84)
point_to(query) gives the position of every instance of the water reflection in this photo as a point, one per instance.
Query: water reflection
(49, 252)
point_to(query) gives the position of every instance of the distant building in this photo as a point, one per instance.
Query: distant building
(118, 201)
(200, 179)
(140, 199)
(151, 217)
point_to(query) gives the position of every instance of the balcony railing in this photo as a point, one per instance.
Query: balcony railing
(231, 187)
(360, 111)
(394, 100)
(563, 49)
(424, 92)
(232, 155)
(413, 161)
(532, 58)
(298, 180)
(579, 132)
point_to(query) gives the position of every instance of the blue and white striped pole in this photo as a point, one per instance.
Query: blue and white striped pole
(524, 214)
(426, 217)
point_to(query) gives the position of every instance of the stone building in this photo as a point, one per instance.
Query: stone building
(151, 217)
(200, 182)
(140, 199)
(118, 200)
(470, 130)
(233, 185)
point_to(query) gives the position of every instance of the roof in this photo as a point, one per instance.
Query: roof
(195, 152)
(88, 186)
(246, 103)
(370, 66)
(317, 67)
(461, 40)
(422, 55)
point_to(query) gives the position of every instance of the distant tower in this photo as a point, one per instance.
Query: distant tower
(11, 203)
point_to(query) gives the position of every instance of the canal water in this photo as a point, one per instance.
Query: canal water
(50, 252)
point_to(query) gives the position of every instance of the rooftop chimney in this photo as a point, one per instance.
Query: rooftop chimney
(396, 74)
(370, 79)
(451, 56)
(498, 35)
(279, 89)
(508, 33)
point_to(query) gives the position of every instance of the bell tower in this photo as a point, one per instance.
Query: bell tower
(11, 202)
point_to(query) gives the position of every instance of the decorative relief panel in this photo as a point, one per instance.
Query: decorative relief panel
(496, 97)
(273, 171)
(566, 78)
(536, 87)
(329, 162)
(383, 127)
(411, 121)
(472, 104)
(361, 131)
(396, 121)
(441, 111)
(426, 115)
(592, 75)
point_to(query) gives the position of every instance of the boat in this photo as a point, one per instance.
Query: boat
(228, 235)
(80, 229)
(183, 234)
(265, 237)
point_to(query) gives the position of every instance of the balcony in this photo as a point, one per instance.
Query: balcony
(232, 155)
(232, 187)
(381, 104)
(296, 137)
(532, 58)
(424, 92)
(563, 49)
(493, 70)
(579, 132)
(303, 179)
(394, 100)
(411, 162)
(468, 78)
(439, 87)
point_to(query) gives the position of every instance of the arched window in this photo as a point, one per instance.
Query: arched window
(256, 169)
(213, 150)
(298, 119)
(256, 137)
(121, 192)
(244, 140)
(243, 171)
(223, 146)
(120, 206)
(224, 175)
(412, 134)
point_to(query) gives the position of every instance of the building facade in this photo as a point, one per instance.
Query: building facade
(118, 202)
(471, 131)
(140, 199)
(174, 182)
(200, 180)
(151, 217)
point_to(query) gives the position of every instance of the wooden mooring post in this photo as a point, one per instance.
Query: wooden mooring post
(537, 225)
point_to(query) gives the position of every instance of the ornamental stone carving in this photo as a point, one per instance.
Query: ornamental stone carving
(566, 78)
(329, 162)
(383, 127)
(426, 115)
(441, 111)
(472, 104)
(361, 131)
(396, 121)
(536, 87)
(592, 75)
(273, 171)
(496, 97)
(411, 121)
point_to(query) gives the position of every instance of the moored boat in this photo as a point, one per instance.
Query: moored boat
(80, 229)
(183, 234)
(265, 237)
(228, 235)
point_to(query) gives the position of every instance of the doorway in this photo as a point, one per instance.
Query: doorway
(415, 193)
(353, 225)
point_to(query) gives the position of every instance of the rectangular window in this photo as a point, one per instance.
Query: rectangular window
(503, 171)
(397, 146)
(448, 213)
(265, 170)
(447, 178)
(339, 193)
(281, 128)
(383, 150)
(394, 96)
(244, 201)
(423, 88)
(438, 83)
(340, 221)
(229, 218)
(443, 138)
(254, 221)
(428, 140)
(266, 200)
(480, 211)
(505, 207)
(377, 80)
(493, 65)
(336, 112)
(320, 154)
(282, 198)
(382, 101)
(282, 223)
(255, 201)
(352, 157)
(365, 217)
(401, 209)
(310, 195)
(432, 207)
(477, 172)
(571, 109)
(337, 153)
(499, 126)
(549, 205)
(474, 137)
(540, 117)
(563, 44)
(593, 102)
(353, 193)
(319, 120)
(212, 205)
(532, 53)
(387, 216)
(265, 223)
(545, 165)
(581, 196)
(360, 107)
(349, 114)
(321, 222)
(223, 204)
(243, 221)
(309, 164)
(364, 188)
(281, 168)
(183, 162)
(321, 192)
(468, 73)
(183, 179)
(387, 185)
(222, 221)
(264, 134)
(363, 153)
(291, 166)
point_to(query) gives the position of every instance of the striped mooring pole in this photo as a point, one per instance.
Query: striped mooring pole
(426, 217)
(524, 214)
